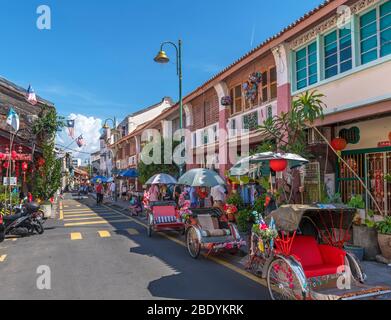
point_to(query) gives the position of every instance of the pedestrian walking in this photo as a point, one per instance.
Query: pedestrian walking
(99, 193)
(113, 192)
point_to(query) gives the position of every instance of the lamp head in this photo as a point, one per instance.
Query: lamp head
(106, 126)
(162, 57)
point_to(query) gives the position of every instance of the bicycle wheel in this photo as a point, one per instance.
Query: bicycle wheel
(282, 281)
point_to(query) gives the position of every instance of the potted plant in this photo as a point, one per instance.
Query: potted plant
(357, 202)
(365, 236)
(384, 237)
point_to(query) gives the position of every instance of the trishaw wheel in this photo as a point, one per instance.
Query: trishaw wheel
(355, 268)
(282, 281)
(193, 243)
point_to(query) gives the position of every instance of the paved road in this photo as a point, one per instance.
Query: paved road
(97, 253)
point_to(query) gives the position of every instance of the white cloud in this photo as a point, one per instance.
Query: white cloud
(90, 128)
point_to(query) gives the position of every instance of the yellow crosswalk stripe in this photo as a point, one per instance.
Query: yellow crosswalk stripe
(104, 234)
(67, 216)
(3, 257)
(92, 217)
(82, 219)
(79, 224)
(76, 236)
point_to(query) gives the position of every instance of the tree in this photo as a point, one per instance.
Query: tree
(289, 129)
(147, 171)
(48, 178)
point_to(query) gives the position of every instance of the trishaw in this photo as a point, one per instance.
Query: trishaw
(211, 233)
(206, 228)
(163, 215)
(299, 250)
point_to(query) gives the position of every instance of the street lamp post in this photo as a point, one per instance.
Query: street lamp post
(163, 58)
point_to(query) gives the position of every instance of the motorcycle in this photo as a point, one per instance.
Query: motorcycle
(25, 221)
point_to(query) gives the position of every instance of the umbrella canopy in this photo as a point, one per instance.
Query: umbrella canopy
(130, 173)
(201, 178)
(252, 163)
(110, 180)
(99, 179)
(161, 178)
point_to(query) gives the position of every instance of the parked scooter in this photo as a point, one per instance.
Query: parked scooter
(25, 222)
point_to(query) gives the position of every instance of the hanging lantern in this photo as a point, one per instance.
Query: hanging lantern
(2, 156)
(339, 144)
(278, 165)
(6, 165)
(14, 155)
(25, 166)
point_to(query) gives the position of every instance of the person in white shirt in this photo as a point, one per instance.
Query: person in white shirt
(113, 191)
(218, 194)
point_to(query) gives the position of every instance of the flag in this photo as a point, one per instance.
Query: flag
(71, 128)
(31, 96)
(80, 141)
(13, 119)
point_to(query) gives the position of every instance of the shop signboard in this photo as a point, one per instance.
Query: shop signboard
(13, 181)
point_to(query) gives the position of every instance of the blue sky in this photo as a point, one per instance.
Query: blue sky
(98, 58)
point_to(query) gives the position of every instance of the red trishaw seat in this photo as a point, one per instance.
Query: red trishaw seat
(317, 260)
(164, 214)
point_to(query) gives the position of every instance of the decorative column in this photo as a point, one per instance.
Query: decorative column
(224, 165)
(284, 98)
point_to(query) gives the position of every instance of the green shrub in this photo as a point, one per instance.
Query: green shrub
(357, 202)
(236, 200)
(245, 217)
(384, 227)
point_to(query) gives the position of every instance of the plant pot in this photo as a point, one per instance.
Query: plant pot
(47, 210)
(366, 238)
(385, 245)
(357, 251)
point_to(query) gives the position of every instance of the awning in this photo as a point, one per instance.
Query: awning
(130, 173)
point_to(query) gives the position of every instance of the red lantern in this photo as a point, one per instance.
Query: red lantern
(25, 166)
(278, 165)
(339, 144)
(6, 165)
(14, 155)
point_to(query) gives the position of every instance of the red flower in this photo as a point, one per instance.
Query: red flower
(267, 201)
(264, 227)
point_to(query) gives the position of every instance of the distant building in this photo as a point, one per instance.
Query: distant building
(95, 162)
(114, 158)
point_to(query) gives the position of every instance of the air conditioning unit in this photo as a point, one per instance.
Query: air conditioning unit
(315, 138)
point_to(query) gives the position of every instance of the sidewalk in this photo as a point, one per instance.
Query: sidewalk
(378, 274)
